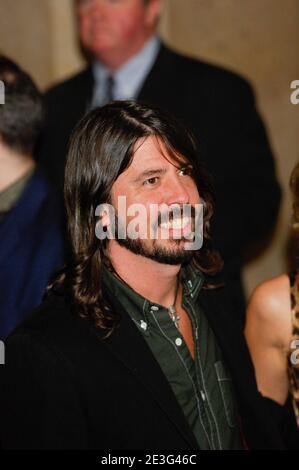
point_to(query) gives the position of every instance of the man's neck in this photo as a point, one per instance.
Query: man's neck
(154, 281)
(12, 166)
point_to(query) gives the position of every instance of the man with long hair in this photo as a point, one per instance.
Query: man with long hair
(127, 59)
(137, 346)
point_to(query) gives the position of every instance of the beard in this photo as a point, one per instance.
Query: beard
(172, 255)
(160, 254)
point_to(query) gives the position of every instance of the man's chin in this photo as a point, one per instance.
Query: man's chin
(99, 45)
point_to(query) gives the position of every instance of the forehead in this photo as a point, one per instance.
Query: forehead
(151, 151)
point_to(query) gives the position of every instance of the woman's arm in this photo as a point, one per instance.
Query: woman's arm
(268, 332)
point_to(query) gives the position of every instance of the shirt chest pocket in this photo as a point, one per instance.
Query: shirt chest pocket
(227, 393)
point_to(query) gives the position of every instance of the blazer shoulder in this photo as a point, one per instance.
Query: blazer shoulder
(201, 69)
(72, 84)
(53, 322)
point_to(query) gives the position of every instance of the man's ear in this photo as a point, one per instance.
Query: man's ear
(154, 8)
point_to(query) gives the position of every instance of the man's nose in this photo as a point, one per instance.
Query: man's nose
(175, 191)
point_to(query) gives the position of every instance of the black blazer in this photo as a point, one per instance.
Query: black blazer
(65, 387)
(219, 107)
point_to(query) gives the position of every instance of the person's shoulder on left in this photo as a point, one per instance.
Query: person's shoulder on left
(53, 323)
(44, 208)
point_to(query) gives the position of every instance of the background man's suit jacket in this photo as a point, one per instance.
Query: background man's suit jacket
(65, 387)
(219, 107)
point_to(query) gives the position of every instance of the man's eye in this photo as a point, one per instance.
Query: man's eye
(150, 181)
(185, 171)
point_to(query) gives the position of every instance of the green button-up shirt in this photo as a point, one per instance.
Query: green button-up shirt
(201, 386)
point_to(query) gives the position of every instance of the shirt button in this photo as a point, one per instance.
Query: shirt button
(178, 342)
(154, 308)
(203, 396)
(143, 325)
(190, 284)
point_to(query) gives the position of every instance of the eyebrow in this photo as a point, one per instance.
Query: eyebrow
(157, 171)
(150, 173)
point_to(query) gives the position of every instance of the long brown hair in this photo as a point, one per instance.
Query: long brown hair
(101, 148)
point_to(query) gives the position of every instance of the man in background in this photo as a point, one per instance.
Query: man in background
(127, 60)
(31, 244)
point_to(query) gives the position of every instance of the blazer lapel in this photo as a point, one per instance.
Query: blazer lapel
(79, 100)
(225, 323)
(153, 87)
(128, 345)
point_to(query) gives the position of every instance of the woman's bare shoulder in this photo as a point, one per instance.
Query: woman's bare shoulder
(270, 307)
(272, 294)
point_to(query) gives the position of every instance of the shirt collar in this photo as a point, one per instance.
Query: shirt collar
(140, 308)
(130, 77)
(192, 279)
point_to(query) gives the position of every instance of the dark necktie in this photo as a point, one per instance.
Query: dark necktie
(110, 83)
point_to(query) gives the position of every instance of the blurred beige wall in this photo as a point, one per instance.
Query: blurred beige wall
(40, 35)
(258, 38)
(25, 35)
